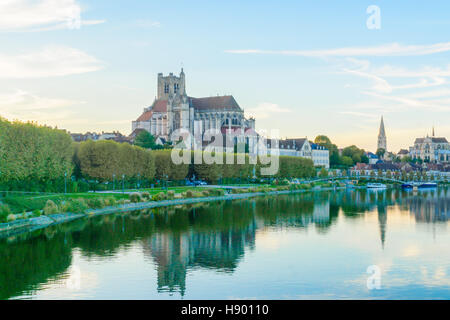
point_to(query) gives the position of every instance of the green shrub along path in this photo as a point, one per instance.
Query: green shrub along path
(63, 208)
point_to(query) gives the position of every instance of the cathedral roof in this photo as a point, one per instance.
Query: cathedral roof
(146, 116)
(215, 103)
(159, 106)
(433, 140)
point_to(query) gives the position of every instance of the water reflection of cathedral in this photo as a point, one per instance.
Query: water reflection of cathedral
(429, 206)
(175, 253)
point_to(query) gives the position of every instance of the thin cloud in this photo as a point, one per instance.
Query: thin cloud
(26, 106)
(41, 15)
(148, 23)
(393, 49)
(51, 61)
(265, 110)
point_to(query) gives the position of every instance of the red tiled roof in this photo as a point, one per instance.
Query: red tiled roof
(160, 106)
(213, 103)
(145, 116)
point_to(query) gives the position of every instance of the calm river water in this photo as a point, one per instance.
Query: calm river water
(303, 246)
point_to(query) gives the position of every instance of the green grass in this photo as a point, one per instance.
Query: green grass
(18, 204)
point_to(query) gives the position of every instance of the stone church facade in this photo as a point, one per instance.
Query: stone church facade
(173, 109)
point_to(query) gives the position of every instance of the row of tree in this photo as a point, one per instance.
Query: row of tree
(31, 154)
(104, 159)
(40, 158)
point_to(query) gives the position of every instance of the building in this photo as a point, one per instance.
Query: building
(303, 148)
(320, 156)
(382, 143)
(114, 136)
(403, 153)
(173, 109)
(431, 149)
(373, 158)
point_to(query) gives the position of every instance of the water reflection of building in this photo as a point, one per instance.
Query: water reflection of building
(321, 213)
(175, 253)
(382, 223)
(429, 206)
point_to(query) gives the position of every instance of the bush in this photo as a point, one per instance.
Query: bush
(170, 194)
(216, 192)
(50, 208)
(159, 197)
(135, 197)
(190, 194)
(36, 213)
(110, 202)
(96, 203)
(11, 217)
(5, 211)
(77, 206)
(145, 195)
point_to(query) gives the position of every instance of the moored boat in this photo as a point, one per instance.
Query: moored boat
(426, 185)
(376, 186)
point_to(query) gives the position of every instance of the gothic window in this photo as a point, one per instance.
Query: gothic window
(175, 88)
(177, 124)
(166, 88)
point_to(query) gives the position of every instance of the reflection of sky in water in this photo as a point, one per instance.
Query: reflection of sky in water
(291, 247)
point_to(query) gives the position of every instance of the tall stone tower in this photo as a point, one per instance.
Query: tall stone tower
(171, 85)
(179, 113)
(382, 137)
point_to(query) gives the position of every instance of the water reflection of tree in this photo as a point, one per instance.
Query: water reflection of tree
(24, 265)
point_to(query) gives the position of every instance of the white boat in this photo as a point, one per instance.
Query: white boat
(376, 186)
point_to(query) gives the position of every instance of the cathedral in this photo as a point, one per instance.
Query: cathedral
(173, 109)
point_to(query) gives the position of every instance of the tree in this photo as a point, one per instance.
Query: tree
(346, 161)
(380, 153)
(323, 173)
(389, 174)
(145, 140)
(324, 141)
(356, 154)
(33, 156)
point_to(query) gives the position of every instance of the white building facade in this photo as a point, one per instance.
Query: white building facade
(305, 149)
(431, 149)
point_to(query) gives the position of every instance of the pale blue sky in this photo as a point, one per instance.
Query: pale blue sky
(302, 67)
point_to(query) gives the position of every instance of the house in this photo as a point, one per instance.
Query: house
(373, 158)
(320, 156)
(403, 153)
(302, 147)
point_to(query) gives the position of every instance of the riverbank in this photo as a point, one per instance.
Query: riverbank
(34, 223)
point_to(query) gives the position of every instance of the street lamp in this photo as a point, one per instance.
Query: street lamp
(114, 181)
(138, 182)
(65, 182)
(123, 183)
(165, 176)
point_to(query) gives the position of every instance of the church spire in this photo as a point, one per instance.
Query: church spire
(432, 132)
(382, 132)
(382, 136)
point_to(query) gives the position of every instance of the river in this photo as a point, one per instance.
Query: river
(351, 244)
